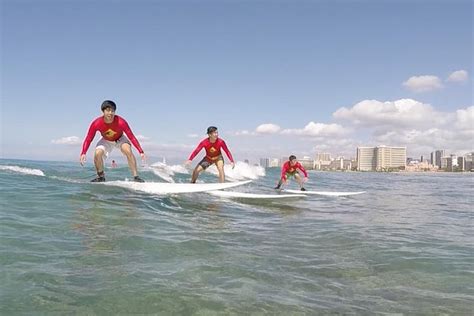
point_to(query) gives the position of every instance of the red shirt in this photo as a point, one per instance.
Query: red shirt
(213, 150)
(110, 132)
(288, 168)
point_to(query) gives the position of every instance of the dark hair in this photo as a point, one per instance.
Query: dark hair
(292, 157)
(211, 129)
(108, 104)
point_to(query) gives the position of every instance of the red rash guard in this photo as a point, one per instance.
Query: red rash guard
(213, 150)
(110, 132)
(288, 168)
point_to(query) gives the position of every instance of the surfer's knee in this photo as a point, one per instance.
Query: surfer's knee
(99, 153)
(128, 153)
(126, 149)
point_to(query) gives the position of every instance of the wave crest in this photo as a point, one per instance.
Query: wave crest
(34, 172)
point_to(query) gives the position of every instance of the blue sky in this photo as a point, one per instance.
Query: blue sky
(276, 77)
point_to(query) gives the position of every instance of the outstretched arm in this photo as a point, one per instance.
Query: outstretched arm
(303, 170)
(131, 136)
(196, 151)
(227, 151)
(87, 142)
(284, 169)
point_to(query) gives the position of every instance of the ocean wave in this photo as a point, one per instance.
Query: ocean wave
(241, 171)
(34, 172)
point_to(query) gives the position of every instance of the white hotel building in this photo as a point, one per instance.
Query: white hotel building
(381, 158)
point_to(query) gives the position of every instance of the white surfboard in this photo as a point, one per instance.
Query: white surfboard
(325, 193)
(233, 194)
(173, 188)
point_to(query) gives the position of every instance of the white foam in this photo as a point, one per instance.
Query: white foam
(34, 172)
(241, 171)
(163, 171)
(179, 169)
(166, 172)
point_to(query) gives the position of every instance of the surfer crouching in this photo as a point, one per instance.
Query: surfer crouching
(213, 145)
(290, 169)
(112, 128)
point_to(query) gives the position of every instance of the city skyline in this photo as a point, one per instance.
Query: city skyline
(283, 77)
(381, 158)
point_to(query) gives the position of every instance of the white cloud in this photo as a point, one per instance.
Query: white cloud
(405, 122)
(311, 129)
(423, 83)
(193, 135)
(268, 129)
(317, 129)
(426, 141)
(142, 138)
(69, 140)
(410, 123)
(391, 114)
(244, 133)
(458, 76)
(465, 119)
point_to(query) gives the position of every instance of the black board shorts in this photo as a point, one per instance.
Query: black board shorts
(205, 163)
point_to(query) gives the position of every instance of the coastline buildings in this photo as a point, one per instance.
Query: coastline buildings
(436, 158)
(307, 162)
(275, 162)
(322, 161)
(341, 164)
(381, 158)
(265, 162)
(366, 159)
(420, 166)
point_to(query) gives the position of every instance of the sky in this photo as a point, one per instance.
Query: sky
(276, 77)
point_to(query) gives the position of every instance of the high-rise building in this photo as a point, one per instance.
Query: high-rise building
(451, 163)
(444, 163)
(307, 162)
(275, 162)
(381, 158)
(322, 161)
(341, 164)
(366, 159)
(323, 157)
(462, 163)
(436, 158)
(390, 157)
(469, 163)
(265, 162)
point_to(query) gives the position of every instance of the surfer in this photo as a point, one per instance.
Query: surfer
(213, 145)
(290, 169)
(112, 128)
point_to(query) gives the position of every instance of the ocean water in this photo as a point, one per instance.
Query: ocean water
(71, 247)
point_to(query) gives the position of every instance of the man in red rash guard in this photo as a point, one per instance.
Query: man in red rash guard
(290, 169)
(112, 128)
(213, 145)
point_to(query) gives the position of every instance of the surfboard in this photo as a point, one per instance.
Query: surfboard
(233, 194)
(325, 193)
(174, 188)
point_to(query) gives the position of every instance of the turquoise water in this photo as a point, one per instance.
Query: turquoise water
(68, 246)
